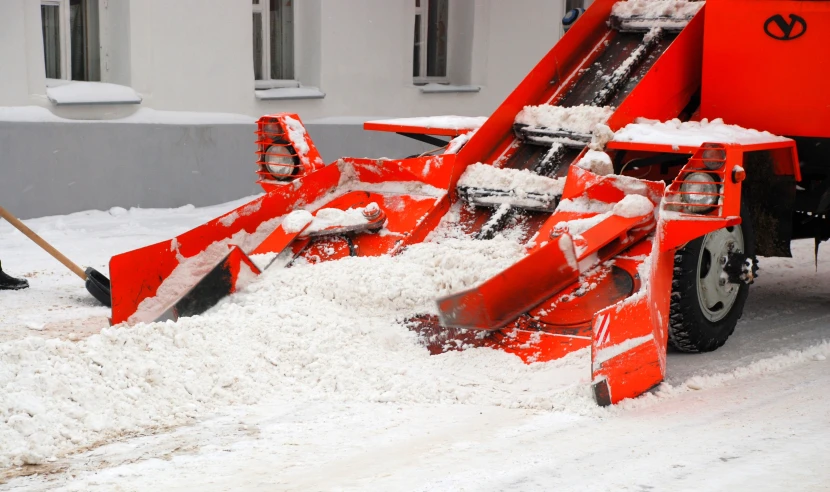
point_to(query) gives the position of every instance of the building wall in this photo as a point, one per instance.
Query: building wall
(196, 55)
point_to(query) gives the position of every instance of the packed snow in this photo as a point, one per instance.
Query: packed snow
(578, 119)
(76, 92)
(141, 115)
(309, 380)
(657, 9)
(297, 133)
(518, 181)
(691, 133)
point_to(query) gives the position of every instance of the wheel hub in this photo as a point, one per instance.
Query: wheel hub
(716, 293)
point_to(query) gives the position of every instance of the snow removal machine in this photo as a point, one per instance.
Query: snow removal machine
(625, 157)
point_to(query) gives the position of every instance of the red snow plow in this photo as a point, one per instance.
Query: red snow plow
(643, 213)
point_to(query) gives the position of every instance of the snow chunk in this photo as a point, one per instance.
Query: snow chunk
(691, 133)
(578, 119)
(597, 162)
(296, 221)
(519, 181)
(633, 206)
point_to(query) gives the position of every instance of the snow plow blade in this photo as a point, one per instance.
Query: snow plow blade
(519, 288)
(232, 273)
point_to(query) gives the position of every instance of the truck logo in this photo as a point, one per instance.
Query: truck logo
(778, 28)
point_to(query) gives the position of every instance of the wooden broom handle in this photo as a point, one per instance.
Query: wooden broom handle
(20, 226)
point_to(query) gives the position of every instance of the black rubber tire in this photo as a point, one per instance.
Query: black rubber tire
(689, 329)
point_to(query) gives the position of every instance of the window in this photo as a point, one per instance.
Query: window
(70, 39)
(273, 39)
(429, 59)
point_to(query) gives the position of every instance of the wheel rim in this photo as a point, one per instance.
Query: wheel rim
(714, 292)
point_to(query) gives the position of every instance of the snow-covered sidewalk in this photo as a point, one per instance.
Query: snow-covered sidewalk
(309, 381)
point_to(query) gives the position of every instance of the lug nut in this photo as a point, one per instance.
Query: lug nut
(722, 260)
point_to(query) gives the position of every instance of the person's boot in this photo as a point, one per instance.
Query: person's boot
(11, 283)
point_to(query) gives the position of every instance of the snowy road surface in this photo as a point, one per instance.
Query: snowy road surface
(318, 388)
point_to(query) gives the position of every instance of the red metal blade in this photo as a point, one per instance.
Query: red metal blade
(514, 291)
(277, 241)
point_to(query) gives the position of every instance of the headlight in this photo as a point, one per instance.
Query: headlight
(272, 129)
(279, 162)
(714, 158)
(699, 190)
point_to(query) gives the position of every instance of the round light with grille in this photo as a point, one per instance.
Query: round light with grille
(714, 158)
(279, 161)
(272, 129)
(700, 190)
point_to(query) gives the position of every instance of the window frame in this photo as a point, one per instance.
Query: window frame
(423, 11)
(91, 42)
(263, 8)
(63, 40)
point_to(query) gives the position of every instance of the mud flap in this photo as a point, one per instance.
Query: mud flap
(516, 290)
(628, 349)
(234, 272)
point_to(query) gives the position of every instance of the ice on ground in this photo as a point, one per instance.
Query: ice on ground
(691, 133)
(519, 181)
(577, 119)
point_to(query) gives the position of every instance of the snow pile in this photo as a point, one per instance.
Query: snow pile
(691, 133)
(519, 181)
(633, 206)
(578, 119)
(327, 331)
(596, 162)
(296, 133)
(448, 122)
(656, 9)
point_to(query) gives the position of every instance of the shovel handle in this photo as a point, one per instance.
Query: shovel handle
(20, 226)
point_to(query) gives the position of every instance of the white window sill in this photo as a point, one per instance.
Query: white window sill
(275, 84)
(70, 92)
(447, 88)
(290, 93)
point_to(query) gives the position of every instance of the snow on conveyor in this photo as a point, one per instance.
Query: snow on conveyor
(656, 9)
(519, 181)
(691, 133)
(577, 119)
